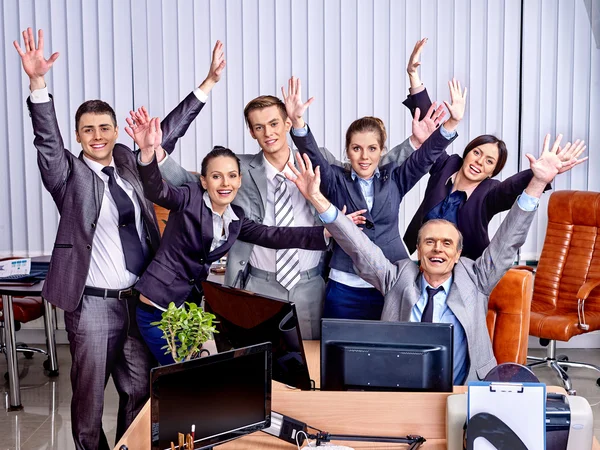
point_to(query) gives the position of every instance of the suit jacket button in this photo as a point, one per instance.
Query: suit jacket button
(192, 281)
(89, 247)
(93, 225)
(242, 263)
(201, 261)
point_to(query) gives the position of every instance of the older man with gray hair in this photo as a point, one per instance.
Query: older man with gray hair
(444, 287)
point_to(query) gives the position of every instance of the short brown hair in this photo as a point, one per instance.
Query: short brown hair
(95, 107)
(262, 102)
(364, 124)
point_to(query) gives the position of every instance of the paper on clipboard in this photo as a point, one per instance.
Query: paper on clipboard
(521, 406)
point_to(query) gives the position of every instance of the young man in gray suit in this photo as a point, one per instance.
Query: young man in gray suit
(255, 268)
(446, 287)
(106, 236)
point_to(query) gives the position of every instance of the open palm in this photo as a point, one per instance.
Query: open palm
(294, 105)
(34, 63)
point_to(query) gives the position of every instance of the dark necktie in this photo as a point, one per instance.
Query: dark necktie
(130, 240)
(428, 311)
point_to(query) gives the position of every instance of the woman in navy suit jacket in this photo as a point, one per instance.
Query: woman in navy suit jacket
(202, 227)
(462, 190)
(375, 191)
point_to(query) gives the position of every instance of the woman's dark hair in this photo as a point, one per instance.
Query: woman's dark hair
(365, 124)
(216, 152)
(489, 139)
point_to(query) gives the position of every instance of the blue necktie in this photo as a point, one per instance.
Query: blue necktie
(130, 240)
(428, 311)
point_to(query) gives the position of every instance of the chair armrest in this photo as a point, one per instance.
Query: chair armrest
(528, 268)
(587, 288)
(582, 295)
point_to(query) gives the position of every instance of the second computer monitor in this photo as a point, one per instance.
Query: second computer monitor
(386, 356)
(245, 318)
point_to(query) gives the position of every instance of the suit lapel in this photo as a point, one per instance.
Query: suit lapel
(461, 291)
(98, 188)
(356, 196)
(411, 292)
(380, 195)
(259, 178)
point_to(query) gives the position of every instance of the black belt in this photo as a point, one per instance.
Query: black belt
(112, 293)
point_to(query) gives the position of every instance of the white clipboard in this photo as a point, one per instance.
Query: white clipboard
(521, 406)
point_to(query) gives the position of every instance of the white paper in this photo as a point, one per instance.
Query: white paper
(523, 409)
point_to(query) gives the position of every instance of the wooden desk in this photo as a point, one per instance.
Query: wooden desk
(368, 413)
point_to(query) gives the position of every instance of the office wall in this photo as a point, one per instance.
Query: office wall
(350, 55)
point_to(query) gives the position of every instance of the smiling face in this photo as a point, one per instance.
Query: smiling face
(364, 153)
(438, 250)
(222, 181)
(97, 135)
(480, 162)
(270, 129)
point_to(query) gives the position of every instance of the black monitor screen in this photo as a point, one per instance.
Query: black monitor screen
(386, 356)
(245, 318)
(224, 396)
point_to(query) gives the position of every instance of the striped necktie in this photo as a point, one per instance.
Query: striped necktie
(287, 263)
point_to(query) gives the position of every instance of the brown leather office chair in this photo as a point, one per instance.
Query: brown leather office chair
(566, 302)
(508, 316)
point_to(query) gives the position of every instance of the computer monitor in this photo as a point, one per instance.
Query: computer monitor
(225, 396)
(245, 318)
(386, 356)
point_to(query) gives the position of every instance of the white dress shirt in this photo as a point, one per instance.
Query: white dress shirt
(107, 264)
(264, 258)
(220, 223)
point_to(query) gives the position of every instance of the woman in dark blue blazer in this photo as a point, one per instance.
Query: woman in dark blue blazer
(365, 187)
(463, 189)
(202, 227)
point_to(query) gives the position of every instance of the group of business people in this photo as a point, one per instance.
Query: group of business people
(273, 214)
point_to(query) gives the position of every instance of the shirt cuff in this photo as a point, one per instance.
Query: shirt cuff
(447, 134)
(200, 95)
(160, 163)
(141, 163)
(330, 215)
(414, 91)
(527, 202)
(411, 144)
(300, 132)
(40, 95)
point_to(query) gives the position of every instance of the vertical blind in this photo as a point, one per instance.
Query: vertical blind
(531, 67)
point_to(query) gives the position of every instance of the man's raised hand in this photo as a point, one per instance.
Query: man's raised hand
(294, 105)
(32, 58)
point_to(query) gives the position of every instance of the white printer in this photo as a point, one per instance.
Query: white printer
(569, 422)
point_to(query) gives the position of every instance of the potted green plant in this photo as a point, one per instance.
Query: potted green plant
(185, 329)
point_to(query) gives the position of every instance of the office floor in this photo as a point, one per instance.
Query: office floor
(45, 424)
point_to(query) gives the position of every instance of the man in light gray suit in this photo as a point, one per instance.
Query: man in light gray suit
(466, 284)
(253, 267)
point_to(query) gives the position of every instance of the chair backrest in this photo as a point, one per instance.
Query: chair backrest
(571, 252)
(508, 316)
(162, 215)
